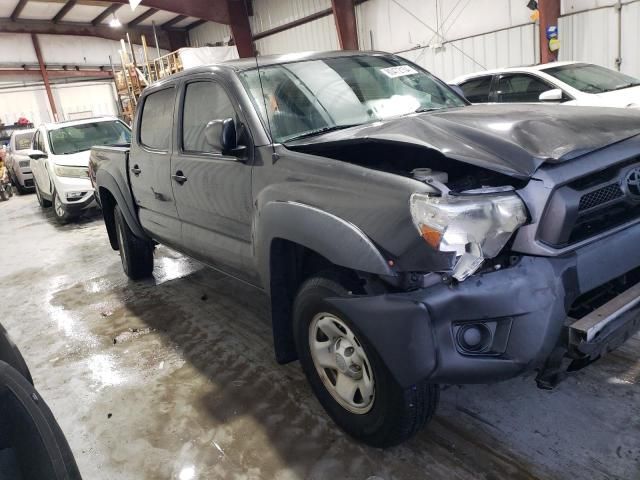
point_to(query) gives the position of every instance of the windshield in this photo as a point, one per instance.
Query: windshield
(23, 141)
(78, 138)
(310, 97)
(592, 78)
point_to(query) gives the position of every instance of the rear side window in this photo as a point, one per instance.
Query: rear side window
(520, 88)
(23, 141)
(157, 119)
(203, 102)
(477, 90)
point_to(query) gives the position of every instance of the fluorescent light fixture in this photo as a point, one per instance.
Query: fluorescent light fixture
(114, 22)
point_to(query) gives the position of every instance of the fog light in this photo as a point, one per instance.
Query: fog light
(474, 337)
(75, 195)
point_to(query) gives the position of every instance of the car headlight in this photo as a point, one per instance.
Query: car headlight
(24, 163)
(73, 172)
(473, 226)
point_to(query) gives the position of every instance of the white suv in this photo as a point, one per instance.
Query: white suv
(60, 161)
(569, 83)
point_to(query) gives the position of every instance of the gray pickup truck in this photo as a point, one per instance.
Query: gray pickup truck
(406, 238)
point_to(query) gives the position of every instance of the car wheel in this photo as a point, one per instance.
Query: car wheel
(60, 211)
(3, 194)
(136, 254)
(347, 375)
(44, 203)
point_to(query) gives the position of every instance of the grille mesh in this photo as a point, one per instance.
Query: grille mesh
(600, 196)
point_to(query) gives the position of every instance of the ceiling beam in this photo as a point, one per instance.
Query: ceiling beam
(195, 24)
(84, 29)
(57, 73)
(210, 10)
(344, 14)
(173, 21)
(240, 28)
(142, 17)
(105, 14)
(18, 10)
(549, 14)
(64, 10)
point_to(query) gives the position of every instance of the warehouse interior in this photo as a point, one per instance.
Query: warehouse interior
(184, 374)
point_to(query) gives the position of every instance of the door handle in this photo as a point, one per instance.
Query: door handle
(179, 177)
(136, 170)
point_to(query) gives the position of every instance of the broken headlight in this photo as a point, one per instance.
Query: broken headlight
(474, 225)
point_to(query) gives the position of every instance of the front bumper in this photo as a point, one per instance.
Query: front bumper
(76, 194)
(526, 307)
(25, 178)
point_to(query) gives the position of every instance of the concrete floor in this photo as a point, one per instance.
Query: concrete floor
(175, 378)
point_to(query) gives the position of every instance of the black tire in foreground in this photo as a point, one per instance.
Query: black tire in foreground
(10, 354)
(347, 375)
(44, 203)
(136, 254)
(32, 445)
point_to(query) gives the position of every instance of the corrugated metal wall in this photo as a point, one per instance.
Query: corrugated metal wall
(510, 47)
(589, 31)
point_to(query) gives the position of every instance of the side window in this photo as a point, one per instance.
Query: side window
(203, 102)
(521, 88)
(157, 119)
(477, 90)
(36, 141)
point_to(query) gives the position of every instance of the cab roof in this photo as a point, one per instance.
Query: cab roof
(71, 123)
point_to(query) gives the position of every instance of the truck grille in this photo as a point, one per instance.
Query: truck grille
(600, 196)
(589, 206)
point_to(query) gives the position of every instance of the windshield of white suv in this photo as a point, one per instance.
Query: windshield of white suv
(310, 97)
(23, 141)
(592, 78)
(78, 138)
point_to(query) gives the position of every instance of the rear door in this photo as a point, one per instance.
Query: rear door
(214, 202)
(519, 88)
(38, 166)
(150, 166)
(477, 90)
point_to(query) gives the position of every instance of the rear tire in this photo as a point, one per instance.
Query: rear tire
(44, 203)
(386, 414)
(136, 254)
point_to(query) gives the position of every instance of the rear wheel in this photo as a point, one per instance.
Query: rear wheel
(44, 203)
(348, 376)
(136, 254)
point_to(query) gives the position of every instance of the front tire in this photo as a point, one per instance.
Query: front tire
(348, 376)
(59, 210)
(136, 254)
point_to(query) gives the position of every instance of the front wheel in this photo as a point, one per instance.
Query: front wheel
(60, 211)
(136, 254)
(348, 376)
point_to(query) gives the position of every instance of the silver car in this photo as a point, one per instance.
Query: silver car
(17, 160)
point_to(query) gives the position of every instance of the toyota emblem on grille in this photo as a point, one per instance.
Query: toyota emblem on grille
(632, 182)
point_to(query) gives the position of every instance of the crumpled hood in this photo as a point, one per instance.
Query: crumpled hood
(79, 159)
(510, 139)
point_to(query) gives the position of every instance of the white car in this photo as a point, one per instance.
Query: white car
(17, 159)
(60, 161)
(569, 83)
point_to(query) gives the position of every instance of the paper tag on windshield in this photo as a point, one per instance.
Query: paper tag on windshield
(400, 71)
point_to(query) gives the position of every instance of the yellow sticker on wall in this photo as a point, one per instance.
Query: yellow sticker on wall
(554, 45)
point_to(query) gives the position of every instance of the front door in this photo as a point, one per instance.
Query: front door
(150, 167)
(213, 189)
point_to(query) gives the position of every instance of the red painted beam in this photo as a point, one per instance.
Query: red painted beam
(240, 28)
(344, 14)
(549, 14)
(45, 76)
(210, 10)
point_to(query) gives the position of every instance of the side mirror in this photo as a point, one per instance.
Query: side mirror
(553, 95)
(222, 135)
(37, 155)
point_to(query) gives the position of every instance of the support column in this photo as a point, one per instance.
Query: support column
(240, 28)
(45, 76)
(549, 14)
(344, 13)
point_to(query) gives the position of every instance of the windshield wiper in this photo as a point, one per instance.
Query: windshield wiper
(428, 109)
(321, 131)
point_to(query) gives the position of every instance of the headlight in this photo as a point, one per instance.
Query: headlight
(24, 163)
(73, 172)
(474, 227)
